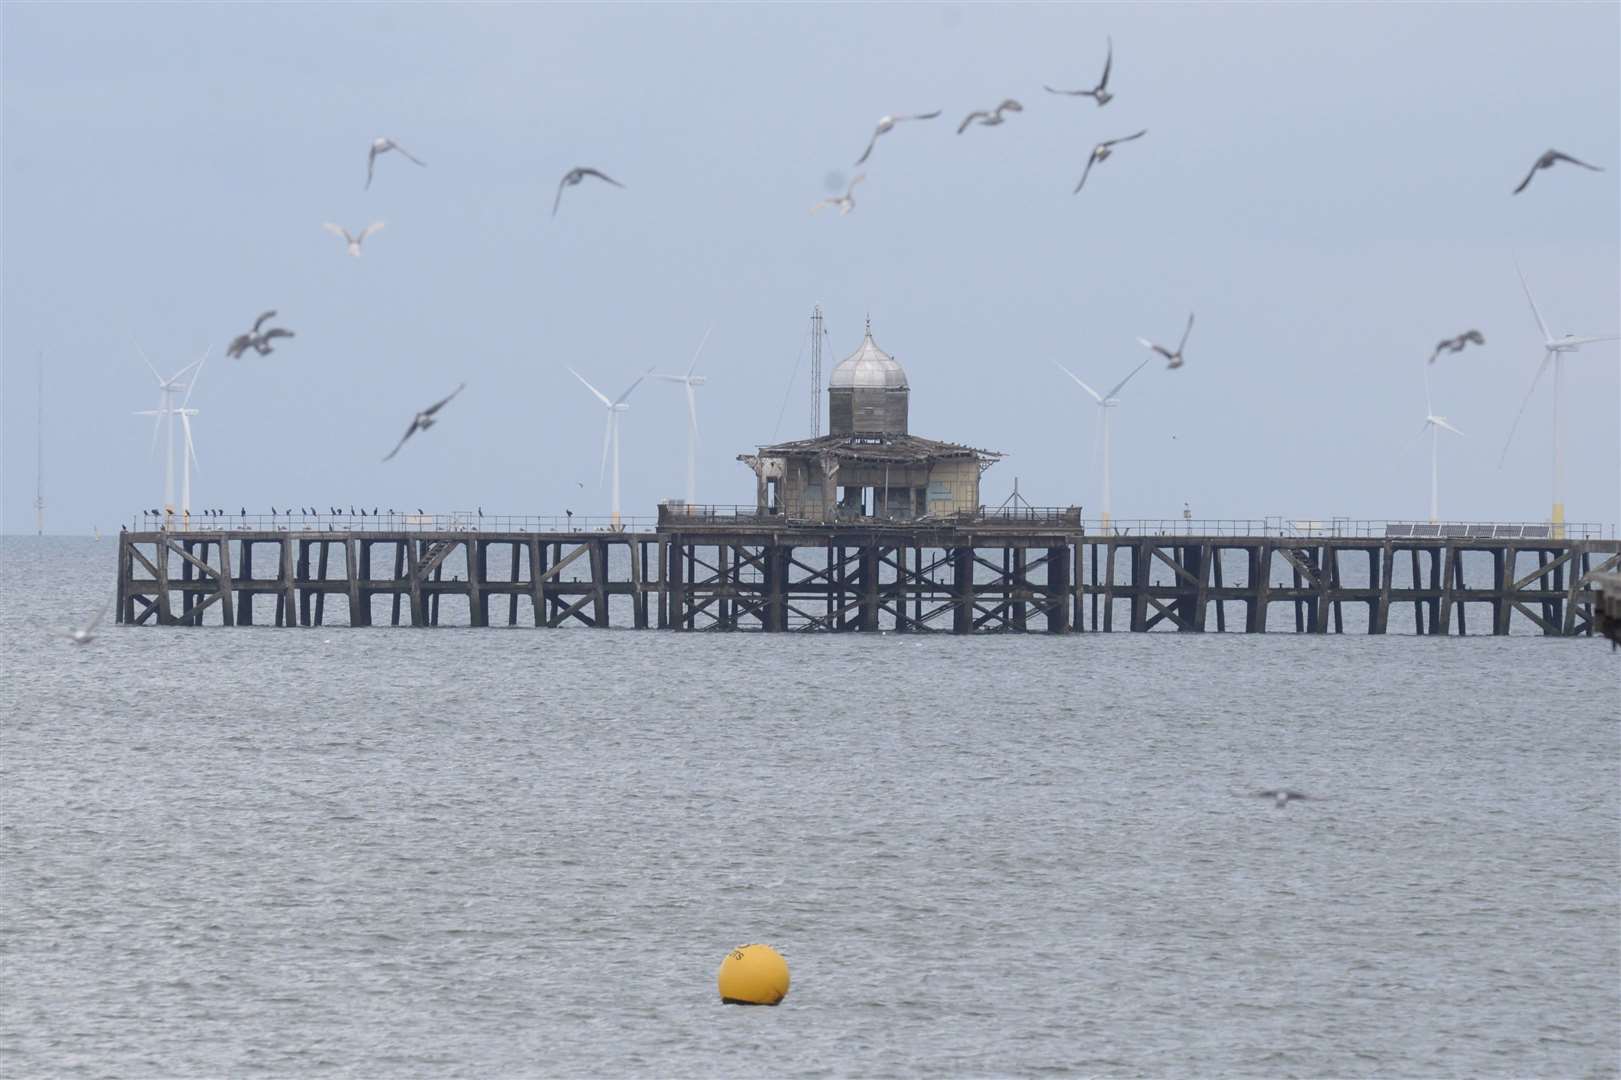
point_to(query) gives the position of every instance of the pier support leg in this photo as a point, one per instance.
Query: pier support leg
(962, 576)
(868, 554)
(1058, 591)
(320, 595)
(478, 570)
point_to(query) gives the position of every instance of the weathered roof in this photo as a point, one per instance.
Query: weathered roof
(868, 368)
(902, 449)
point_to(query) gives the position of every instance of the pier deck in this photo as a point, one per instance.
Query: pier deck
(1041, 571)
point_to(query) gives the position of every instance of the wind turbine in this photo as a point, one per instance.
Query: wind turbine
(691, 382)
(1433, 424)
(610, 436)
(166, 411)
(1554, 350)
(1105, 402)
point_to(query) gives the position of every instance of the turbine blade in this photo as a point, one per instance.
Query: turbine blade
(147, 362)
(620, 400)
(1082, 384)
(1512, 428)
(1122, 383)
(191, 450)
(1424, 427)
(1546, 336)
(600, 395)
(699, 350)
(1441, 423)
(1588, 340)
(192, 385)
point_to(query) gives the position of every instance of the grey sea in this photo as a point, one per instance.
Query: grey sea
(393, 852)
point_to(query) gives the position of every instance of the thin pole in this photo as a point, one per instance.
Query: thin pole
(1107, 417)
(816, 371)
(1558, 447)
(613, 423)
(1435, 491)
(168, 460)
(39, 472)
(692, 444)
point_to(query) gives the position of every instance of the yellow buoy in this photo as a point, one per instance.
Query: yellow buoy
(753, 975)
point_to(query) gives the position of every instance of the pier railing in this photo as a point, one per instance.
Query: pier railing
(676, 515)
(688, 515)
(1349, 528)
(455, 521)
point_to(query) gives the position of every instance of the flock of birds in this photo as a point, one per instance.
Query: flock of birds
(260, 339)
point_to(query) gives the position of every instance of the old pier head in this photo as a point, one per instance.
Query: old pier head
(867, 528)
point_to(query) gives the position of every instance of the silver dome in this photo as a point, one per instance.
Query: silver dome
(868, 368)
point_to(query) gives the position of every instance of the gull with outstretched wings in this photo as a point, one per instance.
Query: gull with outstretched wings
(1547, 161)
(383, 145)
(1174, 358)
(354, 242)
(424, 420)
(1099, 93)
(1101, 152)
(992, 118)
(574, 176)
(886, 124)
(845, 202)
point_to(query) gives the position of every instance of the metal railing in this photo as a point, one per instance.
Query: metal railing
(1364, 528)
(673, 515)
(456, 521)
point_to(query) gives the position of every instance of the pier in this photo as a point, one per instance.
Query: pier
(1019, 570)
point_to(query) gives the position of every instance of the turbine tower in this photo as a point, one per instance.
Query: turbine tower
(610, 436)
(691, 382)
(1434, 424)
(39, 456)
(1553, 350)
(165, 414)
(1105, 402)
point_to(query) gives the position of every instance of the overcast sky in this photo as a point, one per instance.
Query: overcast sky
(1326, 186)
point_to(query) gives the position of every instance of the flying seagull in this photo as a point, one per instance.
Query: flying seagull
(383, 146)
(1101, 152)
(1456, 344)
(256, 341)
(1175, 358)
(354, 242)
(424, 420)
(85, 633)
(574, 176)
(1281, 797)
(845, 202)
(1101, 92)
(887, 124)
(992, 118)
(1547, 161)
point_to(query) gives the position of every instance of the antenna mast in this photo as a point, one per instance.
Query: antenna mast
(816, 371)
(39, 456)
